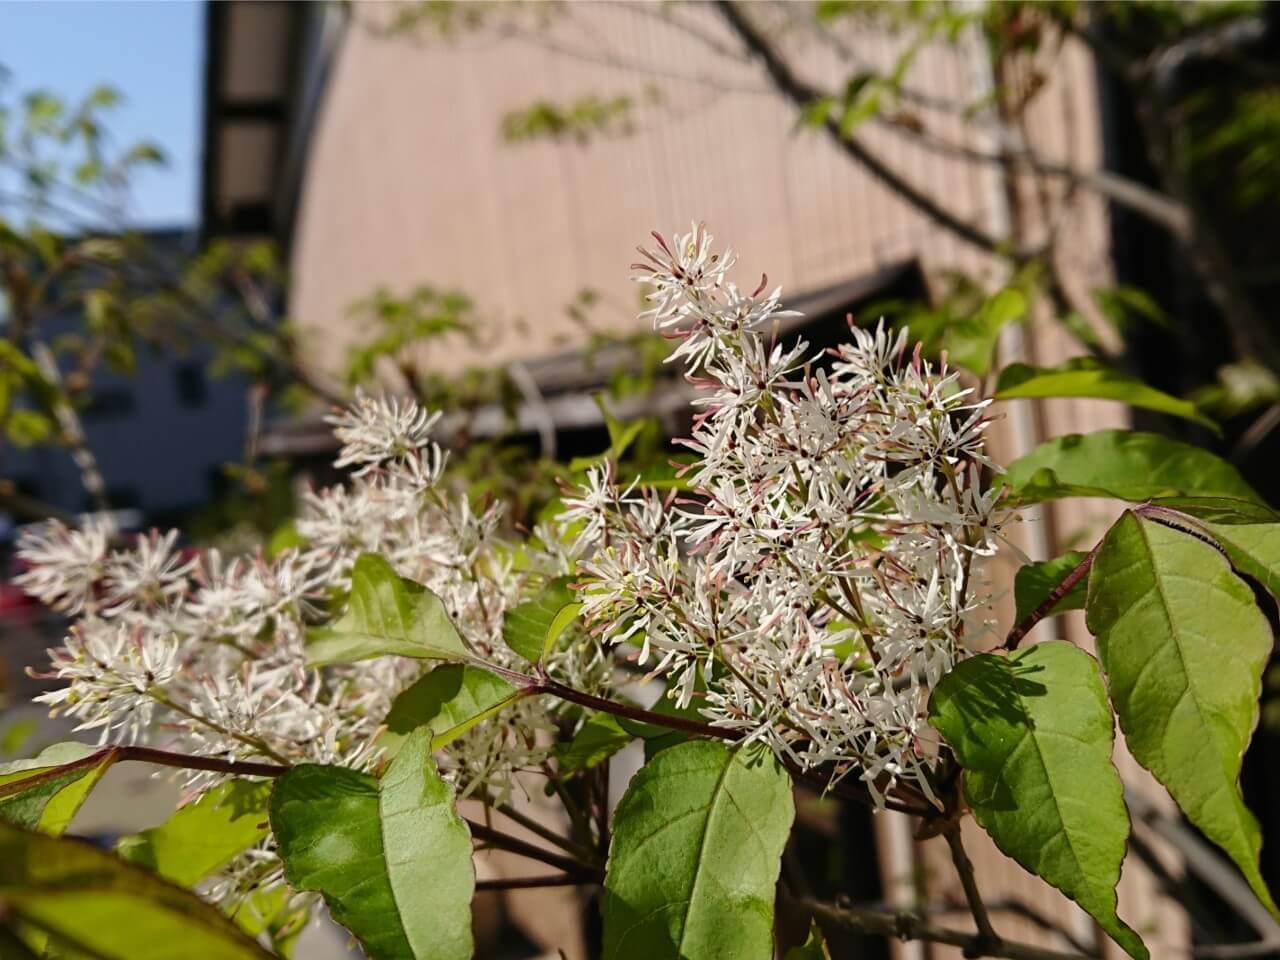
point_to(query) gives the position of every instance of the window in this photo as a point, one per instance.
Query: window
(193, 388)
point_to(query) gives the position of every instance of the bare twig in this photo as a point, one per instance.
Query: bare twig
(801, 94)
(525, 883)
(988, 939)
(909, 926)
(531, 851)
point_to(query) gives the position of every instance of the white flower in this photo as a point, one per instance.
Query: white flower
(824, 570)
(375, 431)
(64, 564)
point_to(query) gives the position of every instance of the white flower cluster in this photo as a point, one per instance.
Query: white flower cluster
(203, 654)
(824, 568)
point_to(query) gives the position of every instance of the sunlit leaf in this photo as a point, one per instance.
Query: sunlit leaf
(106, 908)
(392, 860)
(693, 868)
(45, 792)
(449, 701)
(386, 614)
(202, 836)
(1034, 734)
(1086, 377)
(1184, 645)
(1124, 464)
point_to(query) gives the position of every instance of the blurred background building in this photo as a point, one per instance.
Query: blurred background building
(379, 148)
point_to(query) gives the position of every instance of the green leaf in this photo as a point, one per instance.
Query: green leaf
(971, 341)
(1086, 377)
(1223, 510)
(393, 861)
(449, 700)
(1184, 645)
(202, 836)
(813, 948)
(1254, 549)
(527, 627)
(1035, 581)
(698, 839)
(1034, 736)
(59, 780)
(386, 614)
(1123, 464)
(88, 899)
(598, 740)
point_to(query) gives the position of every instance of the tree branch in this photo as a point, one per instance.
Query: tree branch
(533, 852)
(801, 94)
(908, 926)
(525, 883)
(110, 755)
(539, 685)
(989, 940)
(1055, 595)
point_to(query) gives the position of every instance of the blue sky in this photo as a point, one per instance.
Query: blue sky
(153, 53)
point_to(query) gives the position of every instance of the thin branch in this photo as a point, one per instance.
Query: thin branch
(533, 852)
(1055, 596)
(526, 883)
(989, 940)
(908, 926)
(801, 94)
(539, 685)
(111, 755)
(534, 827)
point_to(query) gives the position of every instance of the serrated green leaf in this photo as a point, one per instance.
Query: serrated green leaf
(449, 701)
(1123, 464)
(108, 909)
(1035, 581)
(1086, 377)
(392, 860)
(202, 836)
(1184, 645)
(386, 615)
(1034, 735)
(1220, 509)
(1254, 550)
(59, 780)
(527, 625)
(598, 740)
(698, 839)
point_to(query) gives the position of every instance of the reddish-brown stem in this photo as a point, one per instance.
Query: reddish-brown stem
(543, 684)
(1055, 596)
(109, 755)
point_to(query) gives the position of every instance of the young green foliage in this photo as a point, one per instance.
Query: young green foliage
(1034, 734)
(203, 836)
(386, 614)
(101, 907)
(696, 852)
(1086, 377)
(54, 796)
(392, 859)
(1123, 464)
(449, 700)
(1184, 644)
(527, 627)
